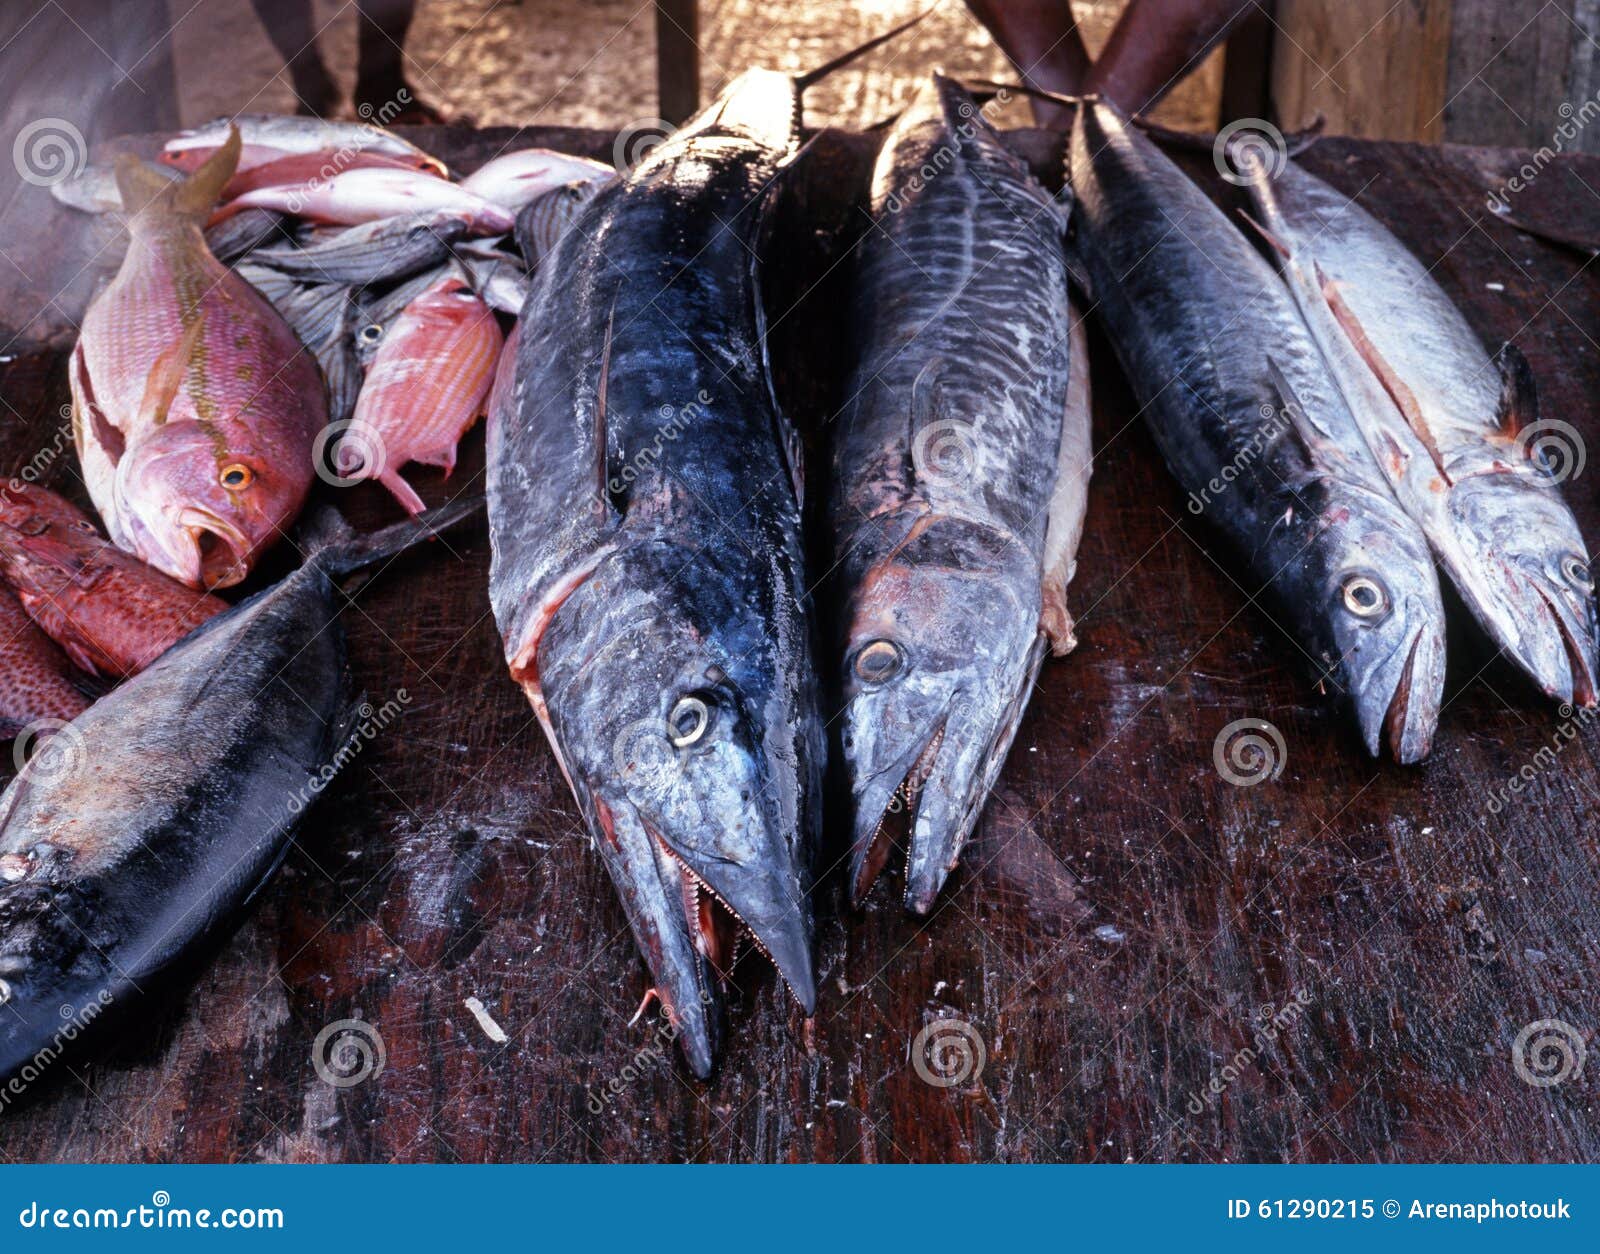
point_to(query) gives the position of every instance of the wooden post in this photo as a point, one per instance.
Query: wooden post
(677, 59)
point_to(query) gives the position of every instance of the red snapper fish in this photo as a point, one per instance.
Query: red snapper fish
(195, 407)
(108, 611)
(424, 389)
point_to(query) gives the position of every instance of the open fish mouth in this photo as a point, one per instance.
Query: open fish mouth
(215, 552)
(897, 819)
(691, 934)
(1404, 723)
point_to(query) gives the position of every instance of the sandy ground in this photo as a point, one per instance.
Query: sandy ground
(592, 62)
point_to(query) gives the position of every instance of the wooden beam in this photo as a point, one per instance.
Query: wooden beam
(677, 59)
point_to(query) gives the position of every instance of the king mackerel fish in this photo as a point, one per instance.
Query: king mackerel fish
(647, 575)
(965, 440)
(1252, 424)
(1456, 431)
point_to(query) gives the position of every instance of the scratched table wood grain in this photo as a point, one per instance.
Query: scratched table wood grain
(1124, 929)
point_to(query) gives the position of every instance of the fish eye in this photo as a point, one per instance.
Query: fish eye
(879, 662)
(688, 721)
(236, 476)
(370, 334)
(1364, 597)
(1576, 572)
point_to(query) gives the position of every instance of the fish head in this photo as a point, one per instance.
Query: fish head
(664, 696)
(1381, 590)
(1524, 565)
(941, 644)
(199, 510)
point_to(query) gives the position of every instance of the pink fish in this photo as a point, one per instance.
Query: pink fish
(267, 137)
(36, 680)
(194, 405)
(519, 178)
(365, 195)
(424, 390)
(302, 167)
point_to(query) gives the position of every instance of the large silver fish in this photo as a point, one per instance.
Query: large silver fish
(1252, 424)
(951, 463)
(1456, 430)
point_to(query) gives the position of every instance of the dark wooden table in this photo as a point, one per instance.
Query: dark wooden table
(1126, 926)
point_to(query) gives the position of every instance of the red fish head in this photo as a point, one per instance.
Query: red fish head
(200, 510)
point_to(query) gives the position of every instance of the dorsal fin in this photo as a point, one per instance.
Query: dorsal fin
(1277, 244)
(1324, 453)
(1519, 399)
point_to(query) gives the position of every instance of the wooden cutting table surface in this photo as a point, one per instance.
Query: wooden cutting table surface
(1125, 924)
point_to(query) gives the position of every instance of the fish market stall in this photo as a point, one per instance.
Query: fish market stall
(1195, 922)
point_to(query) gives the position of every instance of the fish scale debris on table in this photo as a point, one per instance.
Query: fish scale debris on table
(1249, 419)
(137, 838)
(1455, 429)
(956, 453)
(110, 612)
(194, 408)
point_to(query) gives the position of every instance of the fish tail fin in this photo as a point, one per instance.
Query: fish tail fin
(339, 551)
(143, 187)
